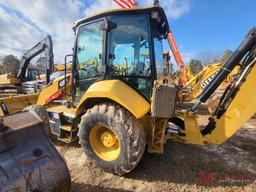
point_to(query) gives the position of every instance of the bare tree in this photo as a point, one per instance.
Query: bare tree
(195, 66)
(226, 55)
(209, 57)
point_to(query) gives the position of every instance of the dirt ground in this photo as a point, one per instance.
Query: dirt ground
(228, 167)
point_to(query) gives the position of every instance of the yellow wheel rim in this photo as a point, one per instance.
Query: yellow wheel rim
(104, 143)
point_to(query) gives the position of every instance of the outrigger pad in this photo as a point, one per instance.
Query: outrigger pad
(163, 100)
(28, 159)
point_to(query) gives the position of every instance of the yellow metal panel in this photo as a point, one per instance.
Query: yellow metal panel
(241, 109)
(119, 92)
(69, 112)
(47, 92)
(51, 89)
(17, 103)
(7, 79)
(192, 130)
(193, 134)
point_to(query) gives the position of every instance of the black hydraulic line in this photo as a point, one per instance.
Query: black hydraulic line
(245, 46)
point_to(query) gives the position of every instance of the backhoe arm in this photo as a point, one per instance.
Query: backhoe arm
(231, 115)
(248, 43)
(237, 104)
(44, 45)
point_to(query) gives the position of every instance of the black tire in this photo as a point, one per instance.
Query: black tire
(128, 130)
(42, 114)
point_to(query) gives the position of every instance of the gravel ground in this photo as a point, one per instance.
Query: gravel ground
(227, 167)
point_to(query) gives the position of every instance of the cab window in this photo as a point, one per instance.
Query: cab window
(89, 62)
(158, 47)
(89, 50)
(129, 52)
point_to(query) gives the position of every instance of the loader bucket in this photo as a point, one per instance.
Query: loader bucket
(28, 159)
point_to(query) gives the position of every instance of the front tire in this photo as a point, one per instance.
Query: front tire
(112, 138)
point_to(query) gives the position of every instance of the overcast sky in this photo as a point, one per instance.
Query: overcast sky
(198, 25)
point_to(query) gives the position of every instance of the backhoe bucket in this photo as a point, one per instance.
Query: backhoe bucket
(28, 159)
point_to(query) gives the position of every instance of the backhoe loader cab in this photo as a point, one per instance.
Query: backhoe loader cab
(120, 45)
(116, 100)
(117, 56)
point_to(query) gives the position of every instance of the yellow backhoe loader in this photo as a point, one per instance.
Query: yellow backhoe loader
(118, 113)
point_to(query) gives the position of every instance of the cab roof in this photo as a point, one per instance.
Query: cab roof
(148, 10)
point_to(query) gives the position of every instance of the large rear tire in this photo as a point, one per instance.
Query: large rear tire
(112, 138)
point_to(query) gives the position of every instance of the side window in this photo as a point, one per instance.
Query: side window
(159, 57)
(89, 51)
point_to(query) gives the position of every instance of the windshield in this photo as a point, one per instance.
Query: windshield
(129, 51)
(129, 46)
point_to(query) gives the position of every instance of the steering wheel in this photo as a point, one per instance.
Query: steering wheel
(115, 68)
(148, 72)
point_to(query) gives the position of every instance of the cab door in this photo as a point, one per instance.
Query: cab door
(89, 57)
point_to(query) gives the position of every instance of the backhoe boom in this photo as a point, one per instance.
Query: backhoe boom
(44, 45)
(237, 104)
(248, 43)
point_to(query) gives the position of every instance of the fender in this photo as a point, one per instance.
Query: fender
(119, 92)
